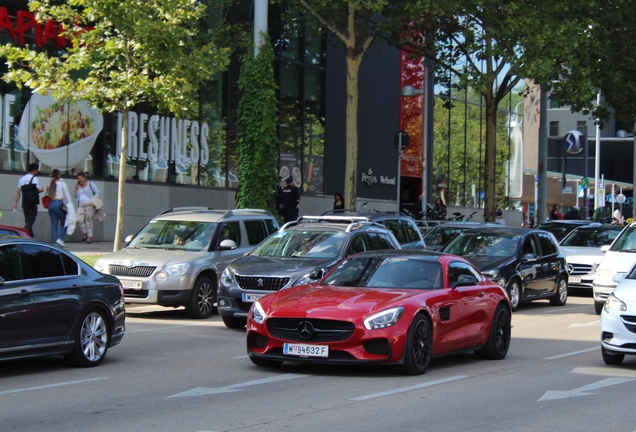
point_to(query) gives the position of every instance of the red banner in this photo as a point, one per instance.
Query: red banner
(412, 113)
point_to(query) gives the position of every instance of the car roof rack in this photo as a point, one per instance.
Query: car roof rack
(352, 221)
(247, 210)
(189, 208)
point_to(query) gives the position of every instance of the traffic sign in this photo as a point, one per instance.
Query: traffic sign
(401, 140)
(572, 142)
(585, 182)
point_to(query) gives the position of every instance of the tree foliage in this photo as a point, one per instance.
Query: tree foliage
(256, 130)
(122, 53)
(488, 46)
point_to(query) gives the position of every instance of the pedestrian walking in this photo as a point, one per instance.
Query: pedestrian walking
(29, 190)
(58, 210)
(89, 205)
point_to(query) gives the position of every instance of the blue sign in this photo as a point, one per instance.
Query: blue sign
(572, 142)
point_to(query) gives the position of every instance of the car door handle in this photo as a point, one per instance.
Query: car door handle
(24, 293)
(480, 293)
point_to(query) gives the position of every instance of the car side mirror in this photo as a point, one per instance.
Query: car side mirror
(466, 280)
(605, 248)
(1, 281)
(227, 244)
(316, 275)
(618, 277)
(529, 257)
(128, 239)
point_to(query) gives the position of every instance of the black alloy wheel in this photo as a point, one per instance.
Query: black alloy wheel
(499, 339)
(202, 299)
(419, 346)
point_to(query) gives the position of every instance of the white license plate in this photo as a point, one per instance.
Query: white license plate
(573, 279)
(251, 298)
(306, 350)
(130, 284)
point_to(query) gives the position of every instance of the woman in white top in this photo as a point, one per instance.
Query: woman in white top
(85, 191)
(58, 192)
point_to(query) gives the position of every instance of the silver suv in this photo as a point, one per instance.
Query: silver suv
(178, 257)
(301, 252)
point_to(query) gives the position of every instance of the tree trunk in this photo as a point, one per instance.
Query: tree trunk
(351, 151)
(490, 162)
(119, 227)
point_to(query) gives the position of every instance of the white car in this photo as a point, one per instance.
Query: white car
(619, 257)
(618, 320)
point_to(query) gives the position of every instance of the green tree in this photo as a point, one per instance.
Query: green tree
(256, 130)
(121, 54)
(489, 46)
(353, 26)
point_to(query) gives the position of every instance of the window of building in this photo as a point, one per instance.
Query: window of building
(580, 126)
(554, 128)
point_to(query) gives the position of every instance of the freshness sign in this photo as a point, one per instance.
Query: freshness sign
(306, 350)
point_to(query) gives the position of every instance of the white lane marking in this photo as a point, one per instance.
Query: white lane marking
(557, 310)
(588, 324)
(67, 383)
(606, 371)
(241, 357)
(200, 391)
(156, 329)
(415, 387)
(582, 391)
(573, 353)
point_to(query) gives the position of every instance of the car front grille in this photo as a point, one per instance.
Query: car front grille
(135, 293)
(139, 271)
(317, 330)
(629, 322)
(261, 283)
(580, 269)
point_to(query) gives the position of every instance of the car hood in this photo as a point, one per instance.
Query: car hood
(152, 257)
(277, 266)
(484, 263)
(333, 302)
(626, 290)
(619, 262)
(582, 255)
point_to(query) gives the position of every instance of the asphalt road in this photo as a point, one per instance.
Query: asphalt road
(175, 374)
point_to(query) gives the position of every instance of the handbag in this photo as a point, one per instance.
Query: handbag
(46, 200)
(30, 194)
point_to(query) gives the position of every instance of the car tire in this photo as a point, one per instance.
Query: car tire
(560, 297)
(91, 340)
(611, 359)
(499, 339)
(419, 346)
(265, 363)
(598, 307)
(234, 323)
(201, 300)
(515, 293)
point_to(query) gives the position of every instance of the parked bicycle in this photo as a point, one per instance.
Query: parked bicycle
(458, 217)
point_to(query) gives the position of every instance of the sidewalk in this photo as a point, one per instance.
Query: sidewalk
(79, 249)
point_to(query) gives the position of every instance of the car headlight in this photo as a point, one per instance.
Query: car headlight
(177, 269)
(226, 278)
(384, 319)
(615, 304)
(604, 271)
(100, 265)
(257, 313)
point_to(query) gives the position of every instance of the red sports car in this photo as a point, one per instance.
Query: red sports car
(386, 307)
(12, 231)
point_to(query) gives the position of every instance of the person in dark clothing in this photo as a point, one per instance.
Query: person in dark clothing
(572, 214)
(291, 198)
(30, 209)
(338, 203)
(278, 197)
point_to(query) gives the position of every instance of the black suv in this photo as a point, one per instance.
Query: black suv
(300, 252)
(401, 225)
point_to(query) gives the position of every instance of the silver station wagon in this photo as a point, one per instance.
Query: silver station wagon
(179, 256)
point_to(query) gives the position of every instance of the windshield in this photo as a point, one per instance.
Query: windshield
(626, 241)
(590, 237)
(440, 235)
(384, 272)
(298, 243)
(559, 231)
(491, 245)
(174, 235)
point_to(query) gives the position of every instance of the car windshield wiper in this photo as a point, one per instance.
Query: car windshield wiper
(136, 247)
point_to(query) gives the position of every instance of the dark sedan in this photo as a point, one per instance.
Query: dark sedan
(527, 263)
(561, 228)
(51, 302)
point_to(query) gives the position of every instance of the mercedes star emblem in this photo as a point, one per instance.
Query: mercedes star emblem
(306, 330)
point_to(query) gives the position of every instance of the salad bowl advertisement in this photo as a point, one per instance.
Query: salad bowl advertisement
(58, 134)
